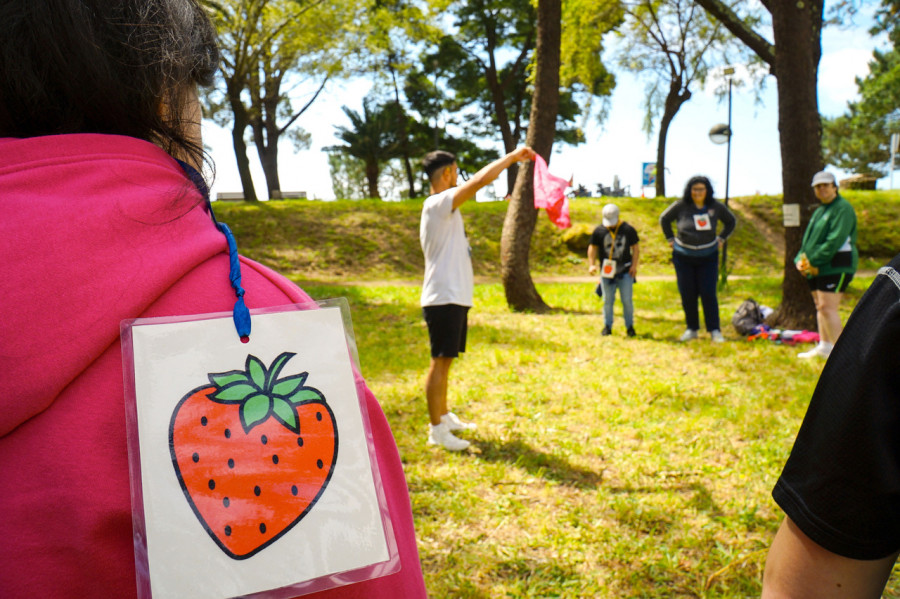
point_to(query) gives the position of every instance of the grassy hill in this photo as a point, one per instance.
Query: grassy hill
(373, 240)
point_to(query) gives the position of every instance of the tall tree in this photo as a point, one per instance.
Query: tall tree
(521, 215)
(794, 60)
(268, 49)
(395, 30)
(859, 140)
(371, 138)
(484, 66)
(672, 44)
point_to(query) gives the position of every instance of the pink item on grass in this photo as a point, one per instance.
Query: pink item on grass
(550, 194)
(806, 337)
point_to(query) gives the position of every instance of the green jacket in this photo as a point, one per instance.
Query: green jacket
(829, 241)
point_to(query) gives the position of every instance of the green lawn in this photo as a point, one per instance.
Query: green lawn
(602, 466)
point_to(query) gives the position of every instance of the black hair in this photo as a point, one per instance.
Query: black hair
(124, 67)
(686, 198)
(435, 161)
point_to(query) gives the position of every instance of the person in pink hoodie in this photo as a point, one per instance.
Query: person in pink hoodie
(100, 224)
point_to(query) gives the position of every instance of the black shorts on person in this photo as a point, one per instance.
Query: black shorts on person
(830, 283)
(447, 328)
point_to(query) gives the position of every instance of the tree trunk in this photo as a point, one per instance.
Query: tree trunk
(266, 135)
(268, 158)
(797, 29)
(674, 100)
(499, 100)
(521, 215)
(410, 176)
(372, 172)
(241, 122)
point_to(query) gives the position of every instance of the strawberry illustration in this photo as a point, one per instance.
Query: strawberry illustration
(253, 453)
(701, 222)
(607, 269)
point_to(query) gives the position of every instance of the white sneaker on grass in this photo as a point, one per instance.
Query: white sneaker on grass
(455, 424)
(822, 350)
(440, 435)
(688, 335)
(717, 336)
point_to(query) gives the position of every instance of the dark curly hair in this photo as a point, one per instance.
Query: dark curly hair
(686, 197)
(125, 67)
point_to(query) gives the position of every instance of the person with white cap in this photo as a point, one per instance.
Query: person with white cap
(828, 258)
(615, 244)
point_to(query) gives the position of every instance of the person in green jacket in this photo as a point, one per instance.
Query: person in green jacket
(828, 258)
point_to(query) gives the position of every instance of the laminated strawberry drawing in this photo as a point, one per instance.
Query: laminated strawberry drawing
(253, 453)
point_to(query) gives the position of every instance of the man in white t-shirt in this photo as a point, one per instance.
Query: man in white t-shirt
(447, 290)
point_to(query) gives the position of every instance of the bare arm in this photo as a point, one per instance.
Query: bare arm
(592, 258)
(798, 567)
(487, 174)
(635, 257)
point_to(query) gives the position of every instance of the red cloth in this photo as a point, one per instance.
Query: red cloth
(97, 229)
(550, 194)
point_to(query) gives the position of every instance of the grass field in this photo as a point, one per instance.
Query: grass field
(602, 466)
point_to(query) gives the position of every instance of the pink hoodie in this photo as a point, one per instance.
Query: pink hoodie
(97, 229)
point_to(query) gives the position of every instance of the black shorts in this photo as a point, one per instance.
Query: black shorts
(831, 283)
(447, 328)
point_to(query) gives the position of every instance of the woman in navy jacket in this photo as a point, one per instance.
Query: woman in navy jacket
(695, 252)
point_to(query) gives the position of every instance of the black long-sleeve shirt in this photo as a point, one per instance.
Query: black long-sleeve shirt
(693, 232)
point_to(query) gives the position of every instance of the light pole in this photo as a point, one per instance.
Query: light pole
(721, 134)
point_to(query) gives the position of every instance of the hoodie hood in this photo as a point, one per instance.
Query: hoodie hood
(94, 229)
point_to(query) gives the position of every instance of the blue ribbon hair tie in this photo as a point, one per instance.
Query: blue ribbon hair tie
(241, 314)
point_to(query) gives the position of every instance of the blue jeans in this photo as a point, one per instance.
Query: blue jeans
(624, 283)
(697, 278)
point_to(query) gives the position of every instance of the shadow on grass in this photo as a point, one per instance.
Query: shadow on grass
(523, 576)
(701, 499)
(538, 463)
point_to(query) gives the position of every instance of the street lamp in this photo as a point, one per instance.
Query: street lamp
(721, 134)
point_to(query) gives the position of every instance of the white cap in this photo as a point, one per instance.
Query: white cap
(610, 215)
(823, 177)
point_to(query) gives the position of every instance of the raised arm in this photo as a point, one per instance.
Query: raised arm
(487, 174)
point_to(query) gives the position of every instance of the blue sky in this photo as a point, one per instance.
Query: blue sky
(616, 148)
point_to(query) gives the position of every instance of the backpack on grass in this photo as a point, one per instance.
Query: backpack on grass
(747, 316)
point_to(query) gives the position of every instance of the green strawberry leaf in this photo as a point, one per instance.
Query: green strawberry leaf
(257, 371)
(255, 410)
(277, 365)
(305, 394)
(224, 378)
(234, 393)
(289, 385)
(286, 414)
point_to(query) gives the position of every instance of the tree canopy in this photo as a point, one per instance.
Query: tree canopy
(674, 46)
(269, 49)
(859, 140)
(480, 70)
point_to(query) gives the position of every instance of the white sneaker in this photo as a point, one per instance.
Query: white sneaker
(688, 335)
(455, 424)
(822, 350)
(717, 336)
(441, 435)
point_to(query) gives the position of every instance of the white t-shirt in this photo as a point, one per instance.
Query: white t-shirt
(448, 266)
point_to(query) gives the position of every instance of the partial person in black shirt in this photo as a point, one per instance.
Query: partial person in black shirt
(840, 488)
